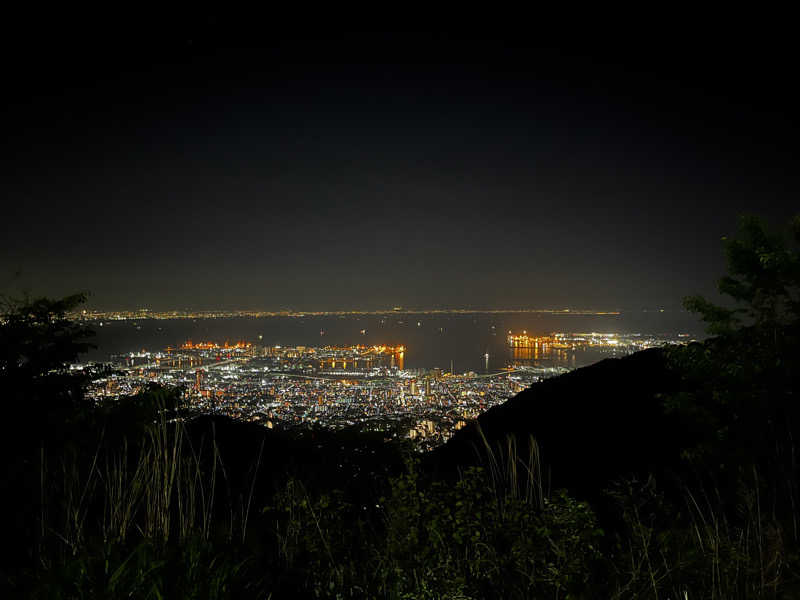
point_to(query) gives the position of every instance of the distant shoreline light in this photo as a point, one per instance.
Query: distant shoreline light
(122, 315)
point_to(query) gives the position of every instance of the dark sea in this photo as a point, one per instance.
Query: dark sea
(431, 340)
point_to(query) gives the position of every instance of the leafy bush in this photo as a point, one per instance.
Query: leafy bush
(430, 539)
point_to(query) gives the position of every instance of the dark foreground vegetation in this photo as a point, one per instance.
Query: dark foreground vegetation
(666, 474)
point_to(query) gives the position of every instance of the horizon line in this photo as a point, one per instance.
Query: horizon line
(143, 313)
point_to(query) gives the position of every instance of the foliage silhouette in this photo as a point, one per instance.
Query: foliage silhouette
(763, 280)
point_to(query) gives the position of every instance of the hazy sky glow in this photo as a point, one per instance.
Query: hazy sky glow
(374, 170)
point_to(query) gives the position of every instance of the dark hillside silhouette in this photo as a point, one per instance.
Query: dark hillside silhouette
(592, 425)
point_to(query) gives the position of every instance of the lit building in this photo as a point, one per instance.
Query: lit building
(199, 380)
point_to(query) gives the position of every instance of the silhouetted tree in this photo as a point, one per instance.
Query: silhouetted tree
(763, 280)
(738, 397)
(41, 400)
(37, 344)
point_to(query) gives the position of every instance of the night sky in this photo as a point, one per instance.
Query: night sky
(198, 167)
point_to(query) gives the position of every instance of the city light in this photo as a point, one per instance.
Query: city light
(361, 386)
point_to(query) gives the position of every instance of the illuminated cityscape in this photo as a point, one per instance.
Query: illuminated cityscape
(364, 387)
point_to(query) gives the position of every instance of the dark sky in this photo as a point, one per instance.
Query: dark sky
(200, 165)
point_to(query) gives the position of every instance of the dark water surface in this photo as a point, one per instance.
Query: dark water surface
(430, 340)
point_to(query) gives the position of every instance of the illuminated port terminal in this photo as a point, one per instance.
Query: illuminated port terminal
(577, 341)
(523, 340)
